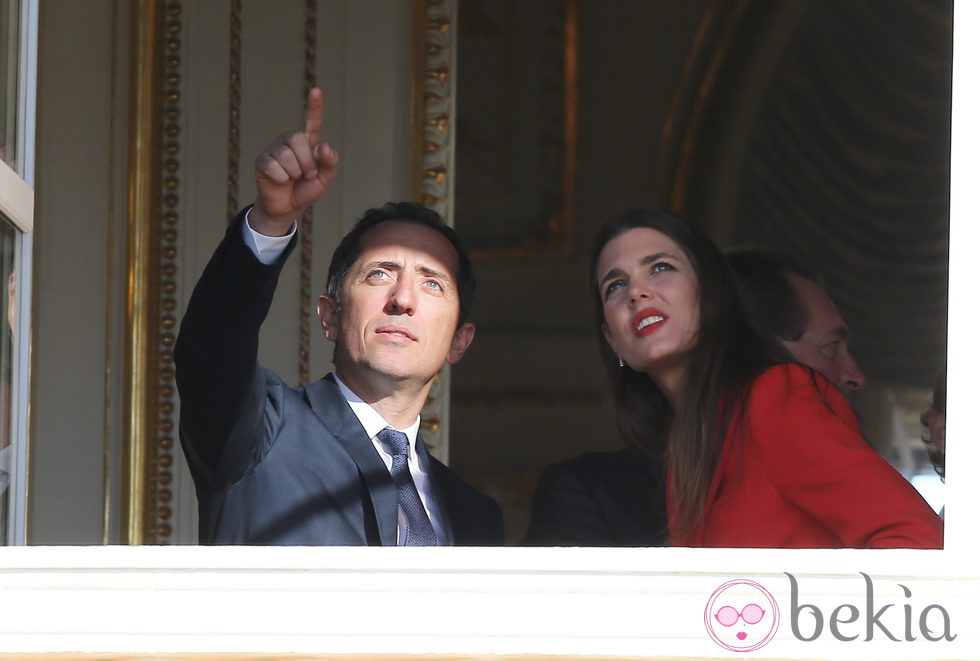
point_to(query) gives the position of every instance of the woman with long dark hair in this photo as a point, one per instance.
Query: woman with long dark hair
(759, 451)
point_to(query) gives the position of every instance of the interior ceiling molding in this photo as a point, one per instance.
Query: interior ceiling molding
(720, 53)
(846, 165)
(433, 89)
(682, 126)
(557, 238)
(515, 180)
(306, 221)
(687, 92)
(836, 155)
(687, 126)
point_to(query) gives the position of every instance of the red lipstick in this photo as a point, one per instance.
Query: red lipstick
(648, 320)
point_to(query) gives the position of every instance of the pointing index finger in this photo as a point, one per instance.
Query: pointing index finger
(313, 115)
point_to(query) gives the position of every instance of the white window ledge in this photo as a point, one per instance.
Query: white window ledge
(609, 603)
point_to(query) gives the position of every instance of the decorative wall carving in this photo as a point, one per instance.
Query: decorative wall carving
(160, 494)
(433, 147)
(516, 122)
(306, 222)
(234, 104)
(435, 38)
(154, 187)
(693, 87)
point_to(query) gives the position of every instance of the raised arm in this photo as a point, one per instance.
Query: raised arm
(228, 404)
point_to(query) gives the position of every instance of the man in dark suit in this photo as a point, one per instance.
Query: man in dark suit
(338, 461)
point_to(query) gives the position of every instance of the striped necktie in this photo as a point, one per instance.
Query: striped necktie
(420, 532)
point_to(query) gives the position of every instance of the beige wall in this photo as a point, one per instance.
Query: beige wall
(79, 267)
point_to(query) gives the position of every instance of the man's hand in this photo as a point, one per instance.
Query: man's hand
(292, 173)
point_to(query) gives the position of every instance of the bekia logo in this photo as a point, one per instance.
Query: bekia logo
(873, 615)
(741, 616)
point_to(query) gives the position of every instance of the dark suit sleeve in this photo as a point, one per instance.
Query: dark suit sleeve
(490, 531)
(475, 518)
(224, 394)
(599, 499)
(565, 512)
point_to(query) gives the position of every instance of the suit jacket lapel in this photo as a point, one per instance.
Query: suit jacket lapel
(332, 409)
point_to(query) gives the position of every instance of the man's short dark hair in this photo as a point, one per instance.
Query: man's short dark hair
(406, 212)
(763, 276)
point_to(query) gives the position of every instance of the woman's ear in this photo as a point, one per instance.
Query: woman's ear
(606, 334)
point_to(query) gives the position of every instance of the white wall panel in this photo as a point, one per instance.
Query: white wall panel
(79, 274)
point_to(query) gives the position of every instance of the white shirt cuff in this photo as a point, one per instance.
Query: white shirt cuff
(266, 249)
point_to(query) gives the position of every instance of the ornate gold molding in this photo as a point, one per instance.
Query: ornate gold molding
(553, 234)
(433, 104)
(705, 88)
(234, 105)
(685, 117)
(432, 155)
(680, 102)
(143, 199)
(160, 493)
(151, 264)
(306, 222)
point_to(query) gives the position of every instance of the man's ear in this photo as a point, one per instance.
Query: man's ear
(937, 429)
(461, 341)
(329, 313)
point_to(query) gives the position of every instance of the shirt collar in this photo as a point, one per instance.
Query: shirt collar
(371, 420)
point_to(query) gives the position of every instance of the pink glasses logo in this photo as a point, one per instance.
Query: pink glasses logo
(741, 616)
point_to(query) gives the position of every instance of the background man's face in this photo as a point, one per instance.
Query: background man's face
(823, 345)
(399, 306)
(937, 430)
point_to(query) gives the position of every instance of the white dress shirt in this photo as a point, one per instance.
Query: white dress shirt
(267, 249)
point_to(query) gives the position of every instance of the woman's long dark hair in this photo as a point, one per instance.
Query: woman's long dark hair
(729, 352)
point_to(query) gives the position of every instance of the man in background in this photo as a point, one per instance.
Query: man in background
(785, 298)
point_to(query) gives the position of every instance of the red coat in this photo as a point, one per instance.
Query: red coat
(804, 477)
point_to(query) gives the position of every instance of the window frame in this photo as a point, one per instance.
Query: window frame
(605, 603)
(17, 205)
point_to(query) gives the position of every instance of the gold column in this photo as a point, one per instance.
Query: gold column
(144, 175)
